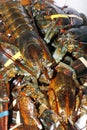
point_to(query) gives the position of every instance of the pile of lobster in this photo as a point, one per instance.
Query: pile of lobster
(43, 66)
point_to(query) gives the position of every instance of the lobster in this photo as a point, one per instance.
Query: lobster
(48, 93)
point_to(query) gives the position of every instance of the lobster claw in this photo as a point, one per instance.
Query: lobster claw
(35, 54)
(79, 33)
(29, 113)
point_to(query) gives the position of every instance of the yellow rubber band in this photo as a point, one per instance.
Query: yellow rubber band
(16, 56)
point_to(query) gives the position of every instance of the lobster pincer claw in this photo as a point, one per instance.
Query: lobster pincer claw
(35, 54)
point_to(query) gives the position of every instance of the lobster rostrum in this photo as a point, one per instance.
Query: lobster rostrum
(44, 79)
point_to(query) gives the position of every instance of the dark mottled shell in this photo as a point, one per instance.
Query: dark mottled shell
(62, 94)
(28, 111)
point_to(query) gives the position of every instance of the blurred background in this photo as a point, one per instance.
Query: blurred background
(79, 5)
